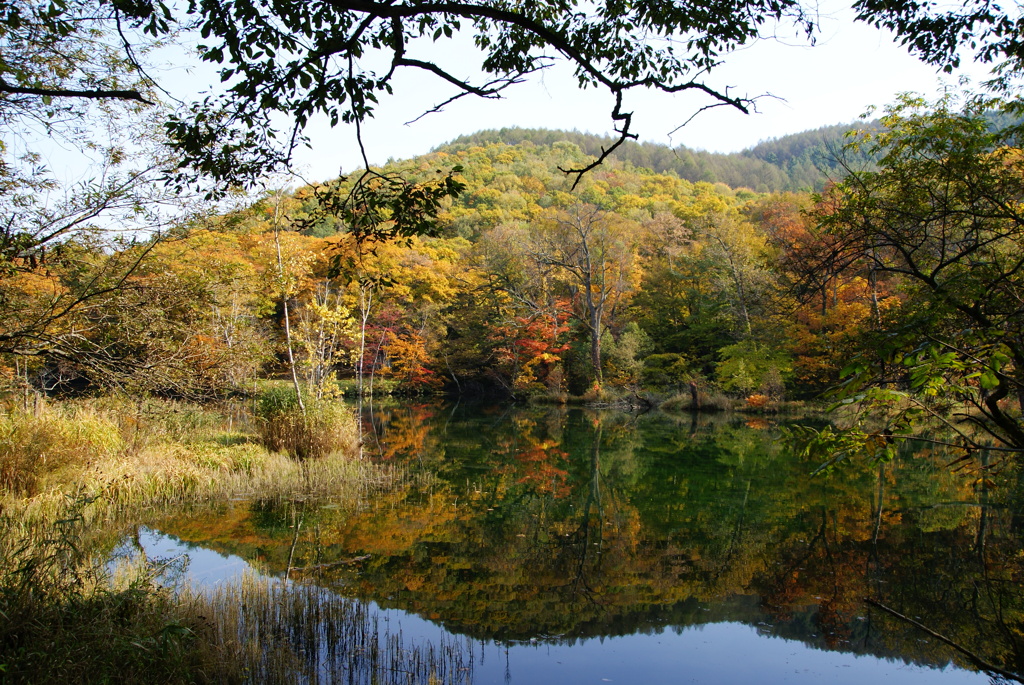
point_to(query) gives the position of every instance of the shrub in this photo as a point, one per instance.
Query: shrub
(757, 401)
(707, 402)
(748, 367)
(324, 428)
(621, 356)
(276, 400)
(598, 395)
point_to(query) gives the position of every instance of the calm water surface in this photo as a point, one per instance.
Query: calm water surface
(580, 546)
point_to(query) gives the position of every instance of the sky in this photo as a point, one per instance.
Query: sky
(850, 68)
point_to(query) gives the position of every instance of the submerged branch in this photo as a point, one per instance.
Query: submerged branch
(974, 658)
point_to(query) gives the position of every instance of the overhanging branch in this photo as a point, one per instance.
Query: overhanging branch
(624, 135)
(97, 94)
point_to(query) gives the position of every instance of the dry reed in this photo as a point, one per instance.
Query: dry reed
(264, 630)
(153, 453)
(69, 617)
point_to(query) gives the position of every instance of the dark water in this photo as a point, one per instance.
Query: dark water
(584, 546)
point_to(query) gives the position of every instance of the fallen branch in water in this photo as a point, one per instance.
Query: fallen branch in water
(975, 659)
(343, 562)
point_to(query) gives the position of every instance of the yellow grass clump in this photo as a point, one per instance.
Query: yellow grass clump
(156, 452)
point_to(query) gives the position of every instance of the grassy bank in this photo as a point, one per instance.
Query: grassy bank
(154, 452)
(70, 472)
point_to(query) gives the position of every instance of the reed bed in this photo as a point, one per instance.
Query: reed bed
(705, 402)
(35, 445)
(151, 453)
(67, 620)
(70, 472)
(70, 617)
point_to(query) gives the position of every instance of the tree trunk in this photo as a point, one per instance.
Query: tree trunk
(595, 345)
(287, 323)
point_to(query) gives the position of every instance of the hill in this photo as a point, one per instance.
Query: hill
(796, 162)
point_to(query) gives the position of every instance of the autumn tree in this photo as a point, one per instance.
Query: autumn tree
(67, 81)
(593, 250)
(942, 217)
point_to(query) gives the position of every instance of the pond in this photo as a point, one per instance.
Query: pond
(553, 545)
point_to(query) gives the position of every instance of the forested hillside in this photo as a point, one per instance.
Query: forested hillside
(484, 269)
(798, 162)
(523, 286)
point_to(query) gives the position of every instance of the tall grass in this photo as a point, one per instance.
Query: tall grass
(34, 447)
(69, 619)
(149, 452)
(322, 429)
(705, 402)
(65, 619)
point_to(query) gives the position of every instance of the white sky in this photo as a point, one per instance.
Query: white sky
(852, 67)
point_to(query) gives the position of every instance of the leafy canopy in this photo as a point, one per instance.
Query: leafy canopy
(284, 63)
(941, 220)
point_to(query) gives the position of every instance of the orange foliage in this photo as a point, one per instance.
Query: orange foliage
(757, 401)
(407, 361)
(530, 349)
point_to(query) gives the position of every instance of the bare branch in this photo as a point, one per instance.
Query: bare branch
(491, 91)
(975, 659)
(624, 135)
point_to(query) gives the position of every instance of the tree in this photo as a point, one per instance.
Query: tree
(66, 73)
(70, 79)
(65, 255)
(594, 250)
(942, 218)
(336, 58)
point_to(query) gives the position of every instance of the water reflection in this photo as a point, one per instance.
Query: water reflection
(543, 529)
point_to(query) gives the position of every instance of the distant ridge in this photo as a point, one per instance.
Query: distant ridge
(796, 162)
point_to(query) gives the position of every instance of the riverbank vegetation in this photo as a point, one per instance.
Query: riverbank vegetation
(139, 303)
(124, 365)
(78, 475)
(74, 616)
(159, 451)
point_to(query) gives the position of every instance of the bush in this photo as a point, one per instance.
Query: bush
(324, 428)
(599, 395)
(707, 402)
(276, 400)
(67, 619)
(747, 367)
(757, 401)
(621, 357)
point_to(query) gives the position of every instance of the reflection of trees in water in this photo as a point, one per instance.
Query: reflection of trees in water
(589, 531)
(962, 582)
(578, 523)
